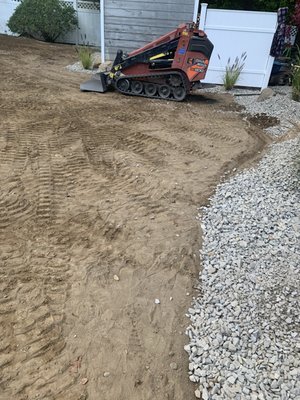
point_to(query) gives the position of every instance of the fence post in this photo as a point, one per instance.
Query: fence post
(203, 16)
(196, 10)
(75, 5)
(102, 31)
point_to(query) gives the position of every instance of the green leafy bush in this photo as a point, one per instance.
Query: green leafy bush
(47, 19)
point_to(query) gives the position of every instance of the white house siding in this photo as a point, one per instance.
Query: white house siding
(130, 24)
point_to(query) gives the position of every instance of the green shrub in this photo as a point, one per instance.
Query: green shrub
(85, 56)
(296, 83)
(296, 76)
(47, 19)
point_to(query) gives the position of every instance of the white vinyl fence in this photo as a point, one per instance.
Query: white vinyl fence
(7, 8)
(234, 32)
(88, 17)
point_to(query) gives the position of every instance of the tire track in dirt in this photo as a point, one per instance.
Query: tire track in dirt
(214, 134)
(115, 157)
(117, 154)
(44, 212)
(150, 146)
(35, 184)
(13, 154)
(14, 206)
(35, 319)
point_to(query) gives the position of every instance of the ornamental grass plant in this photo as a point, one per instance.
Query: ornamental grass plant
(85, 56)
(233, 71)
(296, 76)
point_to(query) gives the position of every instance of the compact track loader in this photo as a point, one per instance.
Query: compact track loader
(167, 68)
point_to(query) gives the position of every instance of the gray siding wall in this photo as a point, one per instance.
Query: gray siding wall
(130, 24)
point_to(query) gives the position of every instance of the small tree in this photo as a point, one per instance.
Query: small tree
(43, 18)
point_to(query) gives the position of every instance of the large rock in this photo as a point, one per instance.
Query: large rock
(96, 59)
(266, 94)
(106, 66)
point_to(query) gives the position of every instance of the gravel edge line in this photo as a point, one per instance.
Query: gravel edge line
(245, 328)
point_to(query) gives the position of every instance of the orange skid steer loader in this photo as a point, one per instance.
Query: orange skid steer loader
(167, 68)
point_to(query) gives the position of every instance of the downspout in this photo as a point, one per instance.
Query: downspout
(102, 38)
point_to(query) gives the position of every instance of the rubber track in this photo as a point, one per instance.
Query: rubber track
(130, 77)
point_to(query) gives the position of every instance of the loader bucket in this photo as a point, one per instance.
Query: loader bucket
(98, 83)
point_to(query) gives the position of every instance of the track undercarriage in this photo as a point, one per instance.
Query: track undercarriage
(165, 85)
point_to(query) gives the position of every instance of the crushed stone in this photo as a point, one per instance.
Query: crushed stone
(244, 336)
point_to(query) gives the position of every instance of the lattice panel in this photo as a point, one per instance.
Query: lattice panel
(88, 5)
(82, 5)
(69, 3)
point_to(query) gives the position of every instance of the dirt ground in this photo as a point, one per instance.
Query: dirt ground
(94, 186)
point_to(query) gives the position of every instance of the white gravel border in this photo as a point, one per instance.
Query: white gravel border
(244, 337)
(245, 328)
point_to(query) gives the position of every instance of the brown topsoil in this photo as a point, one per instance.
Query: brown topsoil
(94, 186)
